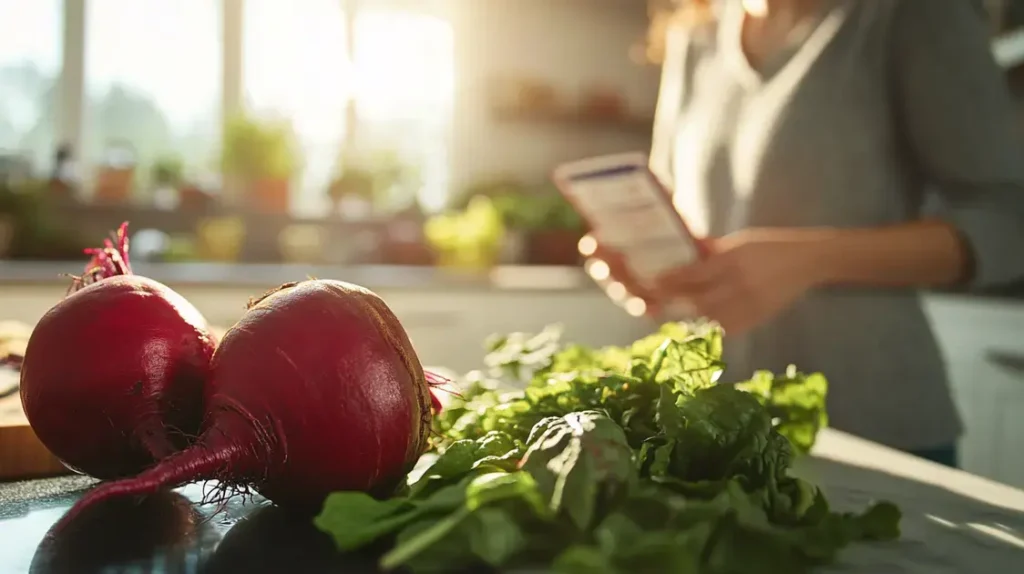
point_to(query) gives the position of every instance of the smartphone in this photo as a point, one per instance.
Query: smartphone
(629, 210)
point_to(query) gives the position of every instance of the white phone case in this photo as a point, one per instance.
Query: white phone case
(629, 210)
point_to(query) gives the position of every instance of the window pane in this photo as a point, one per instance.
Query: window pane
(295, 66)
(30, 56)
(405, 78)
(153, 81)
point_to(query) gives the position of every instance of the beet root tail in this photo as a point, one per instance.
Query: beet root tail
(190, 465)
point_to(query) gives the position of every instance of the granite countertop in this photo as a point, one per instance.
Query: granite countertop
(517, 277)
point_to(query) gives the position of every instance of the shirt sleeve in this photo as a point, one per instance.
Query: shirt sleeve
(959, 123)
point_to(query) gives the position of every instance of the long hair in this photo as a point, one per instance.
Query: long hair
(666, 15)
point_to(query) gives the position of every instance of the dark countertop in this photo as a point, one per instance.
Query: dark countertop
(953, 522)
(534, 278)
(161, 534)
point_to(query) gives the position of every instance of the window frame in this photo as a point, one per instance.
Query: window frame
(72, 79)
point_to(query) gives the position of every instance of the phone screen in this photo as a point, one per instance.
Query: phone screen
(629, 211)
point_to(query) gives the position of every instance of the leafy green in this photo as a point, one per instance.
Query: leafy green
(579, 461)
(621, 459)
(795, 400)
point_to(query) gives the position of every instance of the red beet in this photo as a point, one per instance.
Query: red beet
(112, 378)
(316, 389)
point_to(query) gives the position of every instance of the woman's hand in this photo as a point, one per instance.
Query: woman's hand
(747, 278)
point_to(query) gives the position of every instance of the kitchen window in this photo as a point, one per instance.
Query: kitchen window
(30, 62)
(152, 83)
(155, 79)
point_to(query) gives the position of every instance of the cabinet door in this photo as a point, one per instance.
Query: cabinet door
(1006, 369)
(444, 327)
(976, 399)
(988, 394)
(587, 317)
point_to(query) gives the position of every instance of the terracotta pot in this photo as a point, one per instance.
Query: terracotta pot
(192, 198)
(114, 185)
(553, 247)
(270, 195)
(403, 243)
(407, 253)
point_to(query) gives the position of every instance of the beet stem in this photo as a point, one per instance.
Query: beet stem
(107, 261)
(191, 465)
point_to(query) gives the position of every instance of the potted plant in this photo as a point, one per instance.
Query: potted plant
(398, 182)
(469, 239)
(260, 160)
(168, 174)
(500, 190)
(28, 228)
(352, 192)
(115, 178)
(404, 241)
(10, 212)
(168, 171)
(550, 227)
(379, 182)
(553, 235)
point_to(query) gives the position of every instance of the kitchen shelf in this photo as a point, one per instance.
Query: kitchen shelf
(573, 117)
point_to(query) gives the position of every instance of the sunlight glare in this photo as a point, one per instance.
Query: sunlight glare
(636, 306)
(616, 291)
(598, 269)
(587, 245)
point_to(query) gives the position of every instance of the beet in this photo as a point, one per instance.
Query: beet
(112, 377)
(316, 389)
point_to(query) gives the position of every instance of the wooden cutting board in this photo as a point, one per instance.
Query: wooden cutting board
(21, 453)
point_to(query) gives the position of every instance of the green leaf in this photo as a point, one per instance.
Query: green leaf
(421, 537)
(579, 461)
(462, 457)
(497, 537)
(500, 486)
(583, 560)
(795, 401)
(354, 519)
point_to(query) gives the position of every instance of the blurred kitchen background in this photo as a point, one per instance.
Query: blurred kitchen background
(400, 144)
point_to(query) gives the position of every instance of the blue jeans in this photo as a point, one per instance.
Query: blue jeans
(945, 455)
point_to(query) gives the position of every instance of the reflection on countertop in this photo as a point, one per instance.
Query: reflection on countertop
(171, 532)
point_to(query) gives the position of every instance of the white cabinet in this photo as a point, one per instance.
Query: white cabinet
(447, 326)
(1007, 371)
(983, 343)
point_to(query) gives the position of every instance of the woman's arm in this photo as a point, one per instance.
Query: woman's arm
(960, 128)
(929, 253)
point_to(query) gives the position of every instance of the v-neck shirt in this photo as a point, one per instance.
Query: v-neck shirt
(878, 102)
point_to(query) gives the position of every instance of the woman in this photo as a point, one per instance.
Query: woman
(801, 137)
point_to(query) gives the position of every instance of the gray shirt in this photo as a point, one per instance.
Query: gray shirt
(877, 103)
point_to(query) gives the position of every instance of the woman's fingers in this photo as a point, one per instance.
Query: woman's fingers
(696, 277)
